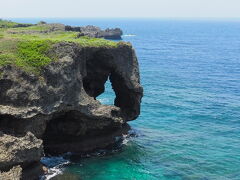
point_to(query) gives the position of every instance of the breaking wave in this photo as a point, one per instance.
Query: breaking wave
(55, 166)
(129, 35)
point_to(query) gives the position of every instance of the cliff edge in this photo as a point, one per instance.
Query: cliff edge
(48, 90)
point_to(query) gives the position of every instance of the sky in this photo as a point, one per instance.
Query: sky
(120, 8)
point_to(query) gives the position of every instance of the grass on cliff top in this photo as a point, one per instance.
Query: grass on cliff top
(53, 32)
(28, 48)
(62, 36)
(31, 56)
(30, 29)
(7, 24)
(11, 24)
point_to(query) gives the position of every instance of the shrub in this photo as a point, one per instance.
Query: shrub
(33, 54)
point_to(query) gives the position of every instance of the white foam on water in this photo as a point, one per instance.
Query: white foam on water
(129, 35)
(125, 139)
(53, 172)
(57, 165)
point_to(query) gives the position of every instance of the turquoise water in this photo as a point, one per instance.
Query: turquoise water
(189, 127)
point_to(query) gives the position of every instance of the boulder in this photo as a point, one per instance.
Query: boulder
(17, 153)
(19, 150)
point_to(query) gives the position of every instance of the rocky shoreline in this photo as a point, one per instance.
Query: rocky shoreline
(89, 31)
(96, 32)
(57, 112)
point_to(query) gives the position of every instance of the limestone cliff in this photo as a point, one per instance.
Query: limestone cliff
(60, 106)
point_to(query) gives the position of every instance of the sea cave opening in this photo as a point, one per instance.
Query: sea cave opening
(97, 82)
(108, 96)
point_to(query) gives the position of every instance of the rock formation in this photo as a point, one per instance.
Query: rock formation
(96, 32)
(13, 174)
(90, 31)
(25, 151)
(60, 106)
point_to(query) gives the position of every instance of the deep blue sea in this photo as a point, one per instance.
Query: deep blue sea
(189, 127)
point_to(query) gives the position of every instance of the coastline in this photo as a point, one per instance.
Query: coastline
(50, 90)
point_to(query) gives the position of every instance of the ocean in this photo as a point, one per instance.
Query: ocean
(189, 127)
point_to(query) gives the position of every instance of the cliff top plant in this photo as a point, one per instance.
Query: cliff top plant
(28, 47)
(7, 24)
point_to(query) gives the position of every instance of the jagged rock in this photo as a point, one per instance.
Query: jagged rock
(113, 33)
(68, 90)
(72, 28)
(31, 172)
(96, 32)
(19, 150)
(90, 31)
(22, 25)
(13, 174)
(20, 156)
(60, 106)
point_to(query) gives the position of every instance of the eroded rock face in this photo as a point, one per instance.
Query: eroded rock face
(96, 32)
(19, 150)
(13, 174)
(15, 151)
(60, 106)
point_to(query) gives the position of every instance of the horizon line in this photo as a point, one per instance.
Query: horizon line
(121, 17)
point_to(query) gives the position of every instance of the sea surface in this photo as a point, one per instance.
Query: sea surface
(189, 127)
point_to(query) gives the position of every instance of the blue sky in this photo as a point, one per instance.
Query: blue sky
(120, 8)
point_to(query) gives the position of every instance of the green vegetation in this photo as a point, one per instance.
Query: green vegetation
(7, 24)
(32, 55)
(28, 55)
(29, 47)
(28, 30)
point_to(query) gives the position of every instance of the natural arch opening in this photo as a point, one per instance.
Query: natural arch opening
(108, 96)
(101, 67)
(96, 82)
